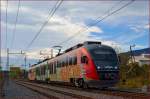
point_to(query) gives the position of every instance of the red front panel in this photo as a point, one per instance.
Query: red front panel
(89, 69)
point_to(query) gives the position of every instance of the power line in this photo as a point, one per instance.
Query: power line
(52, 12)
(6, 21)
(16, 21)
(109, 10)
(14, 31)
(98, 21)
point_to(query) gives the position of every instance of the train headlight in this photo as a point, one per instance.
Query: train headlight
(116, 67)
(98, 67)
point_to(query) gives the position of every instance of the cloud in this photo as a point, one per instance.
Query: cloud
(71, 17)
(63, 25)
(3, 53)
(139, 27)
(58, 25)
(147, 26)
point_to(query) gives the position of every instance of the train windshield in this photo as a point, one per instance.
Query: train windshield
(103, 56)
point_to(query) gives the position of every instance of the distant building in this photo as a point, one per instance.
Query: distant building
(141, 56)
(142, 59)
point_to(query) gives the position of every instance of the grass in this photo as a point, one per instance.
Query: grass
(137, 82)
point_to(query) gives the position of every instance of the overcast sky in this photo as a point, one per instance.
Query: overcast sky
(126, 27)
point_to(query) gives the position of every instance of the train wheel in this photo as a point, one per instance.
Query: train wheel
(85, 85)
(81, 83)
(76, 84)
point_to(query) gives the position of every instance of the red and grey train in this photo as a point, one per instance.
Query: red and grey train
(90, 64)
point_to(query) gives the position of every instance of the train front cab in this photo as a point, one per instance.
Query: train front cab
(99, 73)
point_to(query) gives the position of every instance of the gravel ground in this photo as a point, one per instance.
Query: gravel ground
(14, 91)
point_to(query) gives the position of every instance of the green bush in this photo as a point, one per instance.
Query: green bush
(134, 76)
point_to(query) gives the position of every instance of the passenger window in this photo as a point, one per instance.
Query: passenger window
(55, 67)
(74, 60)
(84, 59)
(66, 61)
(52, 68)
(70, 61)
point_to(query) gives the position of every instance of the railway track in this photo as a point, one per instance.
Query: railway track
(50, 92)
(78, 93)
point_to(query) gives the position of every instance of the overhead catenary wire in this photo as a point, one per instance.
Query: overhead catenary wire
(95, 23)
(6, 24)
(111, 8)
(51, 14)
(15, 25)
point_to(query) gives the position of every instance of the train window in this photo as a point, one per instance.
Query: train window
(66, 61)
(70, 61)
(45, 68)
(84, 59)
(55, 64)
(74, 60)
(58, 64)
(63, 63)
(41, 70)
(50, 68)
(36, 71)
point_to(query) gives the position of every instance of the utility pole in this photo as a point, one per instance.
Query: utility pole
(12, 53)
(149, 43)
(131, 53)
(25, 61)
(0, 38)
(15, 53)
(8, 59)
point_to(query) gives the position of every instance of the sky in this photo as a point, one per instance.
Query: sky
(127, 27)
